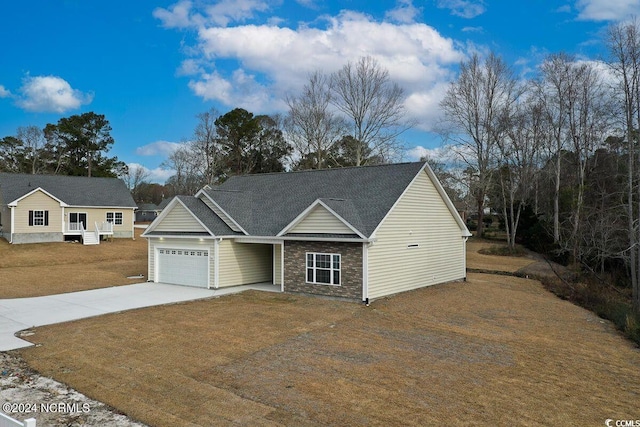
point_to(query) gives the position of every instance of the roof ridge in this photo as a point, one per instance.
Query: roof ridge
(328, 169)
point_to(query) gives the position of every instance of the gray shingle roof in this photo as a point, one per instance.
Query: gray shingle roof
(264, 204)
(72, 190)
(210, 220)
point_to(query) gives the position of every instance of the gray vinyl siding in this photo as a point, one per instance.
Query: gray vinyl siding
(420, 218)
(320, 220)
(219, 212)
(244, 263)
(179, 219)
(155, 243)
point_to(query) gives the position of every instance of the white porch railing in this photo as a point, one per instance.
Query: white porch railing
(101, 227)
(97, 232)
(75, 226)
(7, 421)
(105, 227)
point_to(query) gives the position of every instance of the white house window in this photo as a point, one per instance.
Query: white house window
(114, 218)
(323, 268)
(38, 218)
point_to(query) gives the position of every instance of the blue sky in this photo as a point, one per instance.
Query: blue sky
(151, 66)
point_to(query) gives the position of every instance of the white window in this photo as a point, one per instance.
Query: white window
(38, 218)
(114, 218)
(323, 268)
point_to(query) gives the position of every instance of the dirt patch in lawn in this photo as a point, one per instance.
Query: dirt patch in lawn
(38, 269)
(495, 350)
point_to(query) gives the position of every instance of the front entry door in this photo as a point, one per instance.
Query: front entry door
(75, 218)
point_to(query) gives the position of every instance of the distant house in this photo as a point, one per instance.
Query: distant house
(358, 233)
(147, 212)
(52, 208)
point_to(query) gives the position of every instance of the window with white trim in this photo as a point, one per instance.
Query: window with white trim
(38, 218)
(114, 218)
(323, 268)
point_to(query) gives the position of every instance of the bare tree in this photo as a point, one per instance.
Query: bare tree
(134, 176)
(33, 141)
(374, 105)
(551, 90)
(187, 179)
(624, 46)
(519, 162)
(474, 108)
(311, 126)
(205, 144)
(588, 122)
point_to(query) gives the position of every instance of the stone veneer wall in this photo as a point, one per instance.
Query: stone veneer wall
(295, 268)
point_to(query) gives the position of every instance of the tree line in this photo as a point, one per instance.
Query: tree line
(564, 145)
(76, 145)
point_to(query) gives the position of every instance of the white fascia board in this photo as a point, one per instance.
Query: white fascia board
(280, 239)
(229, 217)
(100, 207)
(261, 240)
(327, 239)
(177, 236)
(16, 201)
(308, 210)
(166, 211)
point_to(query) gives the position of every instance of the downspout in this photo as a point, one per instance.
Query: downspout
(13, 223)
(464, 256)
(365, 272)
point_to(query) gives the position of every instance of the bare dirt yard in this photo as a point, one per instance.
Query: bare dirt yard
(37, 269)
(495, 350)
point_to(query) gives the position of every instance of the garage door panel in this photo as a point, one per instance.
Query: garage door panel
(187, 267)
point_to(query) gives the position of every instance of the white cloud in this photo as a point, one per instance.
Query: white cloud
(226, 11)
(177, 16)
(273, 61)
(50, 94)
(463, 8)
(405, 12)
(442, 154)
(606, 10)
(212, 86)
(473, 30)
(189, 67)
(184, 15)
(4, 93)
(157, 175)
(158, 148)
(255, 66)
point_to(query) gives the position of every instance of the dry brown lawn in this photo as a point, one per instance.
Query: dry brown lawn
(38, 269)
(495, 350)
(480, 261)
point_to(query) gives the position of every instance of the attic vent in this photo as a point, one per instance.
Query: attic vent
(339, 200)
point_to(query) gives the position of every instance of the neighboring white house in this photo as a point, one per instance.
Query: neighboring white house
(50, 208)
(359, 233)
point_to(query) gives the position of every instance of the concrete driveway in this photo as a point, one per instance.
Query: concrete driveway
(23, 313)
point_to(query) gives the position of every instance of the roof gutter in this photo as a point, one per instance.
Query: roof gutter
(278, 239)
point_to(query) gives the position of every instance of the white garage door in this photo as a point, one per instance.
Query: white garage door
(188, 267)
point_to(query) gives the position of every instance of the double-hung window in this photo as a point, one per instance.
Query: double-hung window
(114, 218)
(323, 268)
(38, 218)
